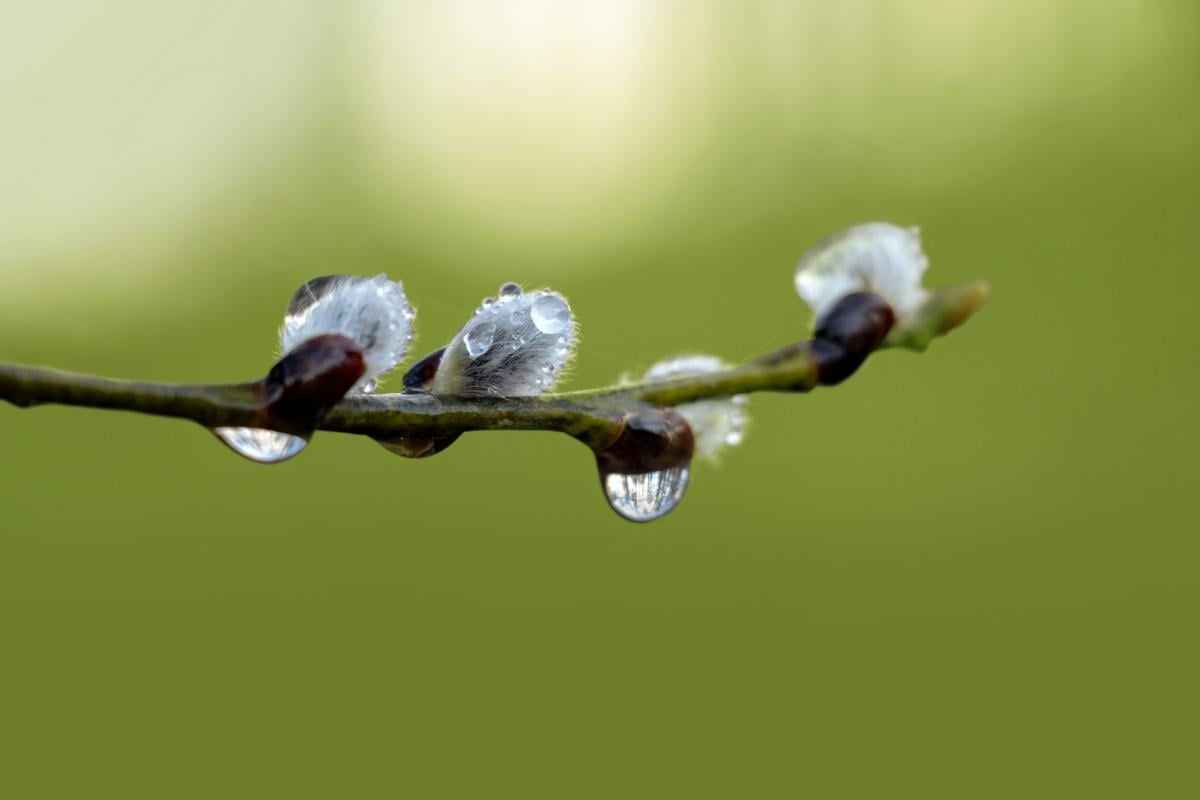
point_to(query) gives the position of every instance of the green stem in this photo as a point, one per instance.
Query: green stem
(593, 416)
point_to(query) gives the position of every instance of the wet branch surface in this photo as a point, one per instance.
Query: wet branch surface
(594, 416)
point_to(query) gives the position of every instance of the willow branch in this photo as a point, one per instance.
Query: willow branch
(594, 416)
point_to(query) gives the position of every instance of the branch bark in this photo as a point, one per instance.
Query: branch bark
(594, 416)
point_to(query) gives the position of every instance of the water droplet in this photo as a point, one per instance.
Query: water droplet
(479, 339)
(551, 314)
(418, 446)
(510, 290)
(263, 446)
(646, 496)
(369, 386)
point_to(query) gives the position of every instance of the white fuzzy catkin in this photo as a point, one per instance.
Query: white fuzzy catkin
(873, 257)
(715, 423)
(373, 312)
(516, 345)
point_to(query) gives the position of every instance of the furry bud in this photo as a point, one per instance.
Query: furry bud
(516, 345)
(874, 257)
(374, 313)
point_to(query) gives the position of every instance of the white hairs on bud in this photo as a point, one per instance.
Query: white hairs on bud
(516, 345)
(715, 423)
(374, 313)
(873, 257)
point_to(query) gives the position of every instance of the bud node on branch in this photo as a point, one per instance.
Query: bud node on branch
(342, 333)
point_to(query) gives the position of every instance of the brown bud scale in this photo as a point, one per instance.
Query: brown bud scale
(650, 440)
(851, 330)
(303, 385)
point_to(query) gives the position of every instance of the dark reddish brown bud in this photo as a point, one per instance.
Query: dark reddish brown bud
(420, 376)
(311, 379)
(650, 440)
(851, 330)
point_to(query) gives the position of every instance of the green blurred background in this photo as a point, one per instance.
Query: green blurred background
(966, 573)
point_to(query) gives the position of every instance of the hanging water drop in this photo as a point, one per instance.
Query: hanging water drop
(647, 496)
(261, 445)
(510, 290)
(479, 339)
(551, 314)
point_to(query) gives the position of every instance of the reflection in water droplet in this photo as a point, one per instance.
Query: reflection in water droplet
(551, 314)
(510, 290)
(647, 496)
(479, 339)
(418, 446)
(263, 446)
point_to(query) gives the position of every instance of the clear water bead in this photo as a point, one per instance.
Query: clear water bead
(510, 290)
(647, 496)
(551, 314)
(258, 444)
(479, 339)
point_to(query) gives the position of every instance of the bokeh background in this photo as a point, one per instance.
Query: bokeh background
(966, 573)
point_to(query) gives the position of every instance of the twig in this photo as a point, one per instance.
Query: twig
(594, 417)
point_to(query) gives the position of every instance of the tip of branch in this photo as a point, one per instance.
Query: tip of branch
(945, 309)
